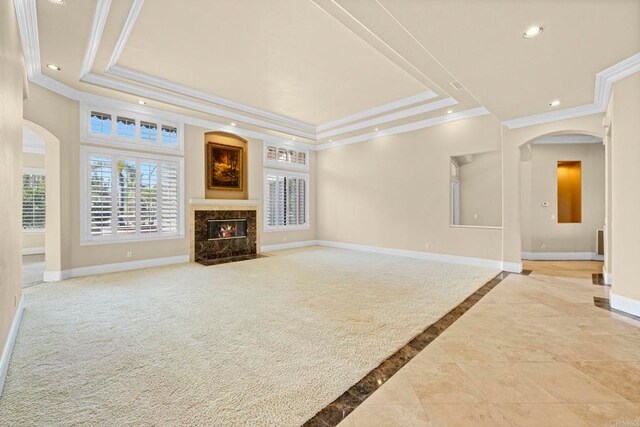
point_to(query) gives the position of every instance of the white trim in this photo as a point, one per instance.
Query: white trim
(54, 276)
(604, 81)
(608, 277)
(99, 21)
(562, 256)
(32, 150)
(488, 227)
(430, 256)
(277, 164)
(398, 115)
(512, 267)
(8, 346)
(34, 171)
(33, 251)
(136, 7)
(28, 25)
(467, 114)
(394, 105)
(225, 202)
(626, 304)
(290, 245)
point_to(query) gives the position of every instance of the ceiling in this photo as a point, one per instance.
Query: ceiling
(337, 69)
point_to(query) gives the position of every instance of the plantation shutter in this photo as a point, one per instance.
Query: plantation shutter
(100, 196)
(285, 200)
(169, 198)
(33, 202)
(148, 197)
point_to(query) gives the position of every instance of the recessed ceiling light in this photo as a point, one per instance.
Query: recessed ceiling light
(376, 130)
(554, 103)
(232, 123)
(449, 111)
(293, 139)
(53, 67)
(141, 101)
(331, 140)
(532, 32)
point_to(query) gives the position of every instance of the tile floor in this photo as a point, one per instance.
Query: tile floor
(32, 270)
(535, 351)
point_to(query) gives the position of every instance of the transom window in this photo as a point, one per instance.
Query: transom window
(129, 196)
(130, 129)
(33, 201)
(285, 157)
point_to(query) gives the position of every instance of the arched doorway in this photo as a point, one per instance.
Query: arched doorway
(38, 136)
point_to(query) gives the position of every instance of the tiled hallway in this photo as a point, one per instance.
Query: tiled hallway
(534, 351)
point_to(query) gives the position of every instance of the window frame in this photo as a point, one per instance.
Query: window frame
(136, 142)
(40, 172)
(85, 234)
(265, 188)
(277, 164)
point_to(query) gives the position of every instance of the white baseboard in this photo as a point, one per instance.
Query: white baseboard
(626, 304)
(33, 251)
(8, 346)
(281, 246)
(54, 276)
(562, 256)
(608, 277)
(512, 267)
(430, 256)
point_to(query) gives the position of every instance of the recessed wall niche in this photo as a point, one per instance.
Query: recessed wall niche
(232, 141)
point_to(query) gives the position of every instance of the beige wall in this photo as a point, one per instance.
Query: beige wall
(512, 141)
(481, 189)
(394, 191)
(539, 184)
(11, 93)
(60, 116)
(32, 240)
(625, 178)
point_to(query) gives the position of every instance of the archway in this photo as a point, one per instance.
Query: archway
(53, 214)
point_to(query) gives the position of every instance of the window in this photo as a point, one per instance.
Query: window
(148, 131)
(33, 201)
(130, 127)
(130, 196)
(169, 134)
(285, 157)
(569, 191)
(286, 201)
(101, 123)
(126, 127)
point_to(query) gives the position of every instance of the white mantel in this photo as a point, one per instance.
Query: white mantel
(224, 202)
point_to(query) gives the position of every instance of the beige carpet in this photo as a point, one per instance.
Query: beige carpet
(263, 342)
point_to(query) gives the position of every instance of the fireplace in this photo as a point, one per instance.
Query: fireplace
(224, 235)
(219, 229)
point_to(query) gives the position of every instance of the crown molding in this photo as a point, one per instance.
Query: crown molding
(409, 112)
(604, 80)
(136, 7)
(28, 26)
(99, 21)
(467, 114)
(380, 109)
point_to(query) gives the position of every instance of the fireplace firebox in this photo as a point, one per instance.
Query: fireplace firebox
(219, 229)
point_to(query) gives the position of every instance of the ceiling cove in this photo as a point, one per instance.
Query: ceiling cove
(151, 87)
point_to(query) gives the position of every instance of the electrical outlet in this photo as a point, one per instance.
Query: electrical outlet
(475, 216)
(427, 246)
(542, 246)
(129, 254)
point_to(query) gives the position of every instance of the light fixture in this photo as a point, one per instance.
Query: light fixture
(293, 139)
(232, 123)
(53, 67)
(449, 111)
(142, 101)
(376, 130)
(532, 32)
(331, 140)
(554, 103)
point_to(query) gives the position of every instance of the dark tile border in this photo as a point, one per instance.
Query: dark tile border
(598, 279)
(337, 410)
(603, 303)
(227, 260)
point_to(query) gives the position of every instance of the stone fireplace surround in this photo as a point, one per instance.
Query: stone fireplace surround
(210, 252)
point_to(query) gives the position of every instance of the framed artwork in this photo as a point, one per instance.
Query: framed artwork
(224, 167)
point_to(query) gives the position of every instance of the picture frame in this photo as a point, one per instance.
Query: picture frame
(225, 167)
